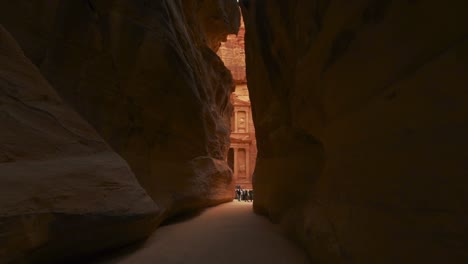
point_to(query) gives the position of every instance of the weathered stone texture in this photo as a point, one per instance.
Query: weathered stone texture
(232, 53)
(361, 116)
(243, 153)
(145, 74)
(63, 192)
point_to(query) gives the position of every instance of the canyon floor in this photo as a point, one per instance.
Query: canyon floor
(228, 233)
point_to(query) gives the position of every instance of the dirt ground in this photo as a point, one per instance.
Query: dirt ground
(228, 233)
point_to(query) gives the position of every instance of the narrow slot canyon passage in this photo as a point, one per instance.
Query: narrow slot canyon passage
(140, 131)
(231, 232)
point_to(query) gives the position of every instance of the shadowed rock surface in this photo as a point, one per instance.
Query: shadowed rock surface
(360, 108)
(145, 74)
(361, 114)
(63, 192)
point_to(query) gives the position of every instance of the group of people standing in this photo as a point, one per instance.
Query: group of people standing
(245, 195)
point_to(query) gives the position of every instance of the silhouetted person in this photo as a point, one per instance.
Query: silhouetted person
(251, 195)
(238, 194)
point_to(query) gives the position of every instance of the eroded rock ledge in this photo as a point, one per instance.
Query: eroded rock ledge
(145, 74)
(63, 192)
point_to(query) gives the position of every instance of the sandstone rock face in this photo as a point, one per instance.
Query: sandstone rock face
(63, 191)
(361, 115)
(145, 74)
(232, 52)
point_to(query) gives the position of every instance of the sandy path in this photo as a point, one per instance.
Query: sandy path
(229, 233)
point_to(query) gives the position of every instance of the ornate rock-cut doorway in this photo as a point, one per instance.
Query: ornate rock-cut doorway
(243, 142)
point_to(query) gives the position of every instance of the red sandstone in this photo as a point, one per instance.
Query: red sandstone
(243, 150)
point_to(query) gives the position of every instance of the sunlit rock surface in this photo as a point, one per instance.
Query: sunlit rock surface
(63, 192)
(145, 74)
(361, 114)
(243, 153)
(232, 53)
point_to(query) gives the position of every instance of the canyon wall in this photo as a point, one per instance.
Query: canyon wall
(361, 115)
(146, 75)
(63, 192)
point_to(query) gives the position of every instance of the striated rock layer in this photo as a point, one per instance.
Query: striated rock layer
(145, 74)
(63, 191)
(361, 115)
